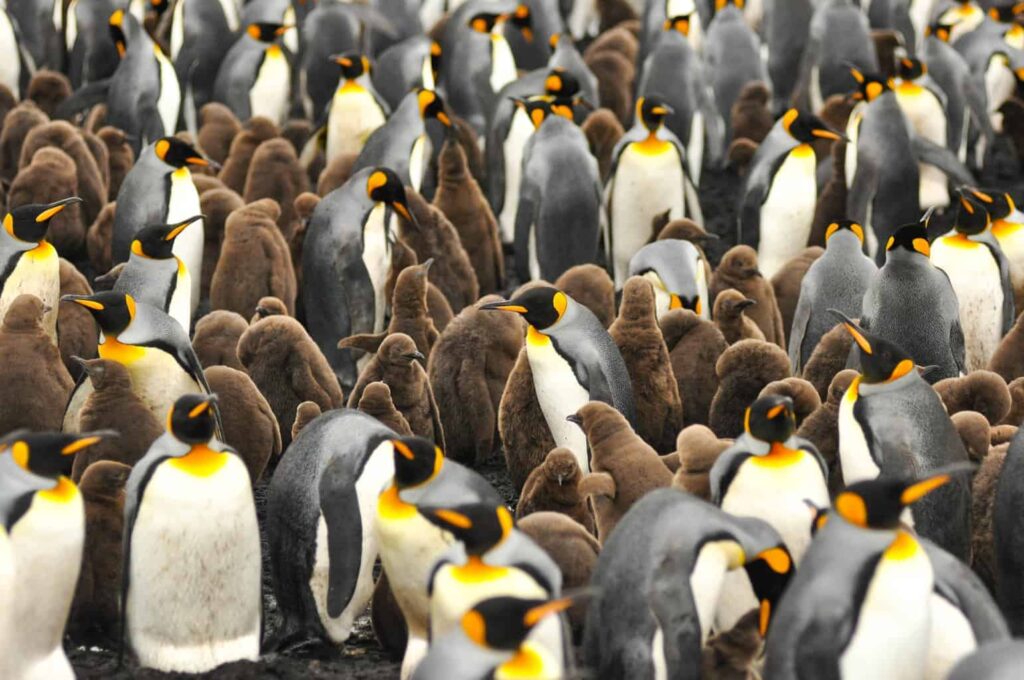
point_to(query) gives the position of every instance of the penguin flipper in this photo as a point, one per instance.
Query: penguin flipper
(339, 505)
(801, 317)
(526, 221)
(725, 468)
(942, 158)
(85, 97)
(958, 346)
(672, 603)
(977, 103)
(1009, 311)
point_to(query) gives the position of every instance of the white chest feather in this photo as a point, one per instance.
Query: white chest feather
(951, 638)
(1000, 84)
(454, 596)
(788, 211)
(355, 114)
(974, 274)
(377, 238)
(713, 561)
(854, 454)
(427, 72)
(71, 30)
(926, 116)
(519, 132)
(8, 588)
(183, 203)
(559, 393)
(270, 92)
(159, 380)
(852, 133)
(169, 102)
(10, 58)
(38, 273)
(178, 28)
(418, 161)
(180, 308)
(503, 64)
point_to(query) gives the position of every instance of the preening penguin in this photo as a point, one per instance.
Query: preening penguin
(255, 78)
(676, 270)
(356, 109)
(210, 614)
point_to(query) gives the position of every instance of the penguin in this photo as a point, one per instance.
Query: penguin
(731, 320)
(732, 54)
(255, 77)
(346, 259)
(786, 283)
(573, 360)
(892, 423)
(216, 338)
(647, 162)
(88, 54)
(804, 395)
(694, 345)
(697, 450)
(276, 173)
(156, 276)
(250, 426)
(929, 329)
(821, 427)
(412, 63)
(997, 660)
(1008, 228)
(980, 274)
(1008, 554)
(356, 110)
(839, 38)
(659, 577)
(159, 190)
(743, 371)
(591, 286)
(37, 33)
(553, 486)
(777, 205)
(924, 105)
(376, 401)
(30, 263)
(836, 280)
(209, 616)
(18, 62)
(198, 43)
(739, 269)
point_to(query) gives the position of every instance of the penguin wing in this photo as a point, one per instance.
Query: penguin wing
(977, 102)
(10, 254)
(1009, 313)
(801, 317)
(810, 449)
(526, 220)
(861, 414)
(956, 583)
(942, 158)
(724, 469)
(672, 603)
(957, 345)
(339, 505)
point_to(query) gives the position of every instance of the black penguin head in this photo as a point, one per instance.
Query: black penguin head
(353, 64)
(880, 360)
(479, 526)
(722, 4)
(651, 111)
(540, 108)
(806, 127)
(909, 68)
(971, 216)
(911, 238)
(113, 311)
(157, 240)
(542, 306)
(436, 54)
(417, 460)
(845, 225)
(502, 623)
(484, 22)
(173, 151)
(769, 573)
(191, 419)
(1007, 13)
(29, 223)
(998, 205)
(870, 86)
(523, 20)
(50, 454)
(680, 23)
(561, 84)
(266, 32)
(877, 503)
(117, 33)
(432, 106)
(940, 29)
(771, 418)
(383, 186)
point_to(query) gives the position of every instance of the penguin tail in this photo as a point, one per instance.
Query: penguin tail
(83, 99)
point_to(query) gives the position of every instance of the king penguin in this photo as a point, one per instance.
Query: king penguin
(189, 511)
(1008, 228)
(255, 78)
(573, 360)
(647, 178)
(892, 423)
(16, 63)
(356, 109)
(677, 270)
(197, 44)
(778, 200)
(159, 190)
(924, 105)
(30, 264)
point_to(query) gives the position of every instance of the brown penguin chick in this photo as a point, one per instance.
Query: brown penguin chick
(694, 345)
(731, 320)
(743, 371)
(336, 173)
(738, 269)
(460, 199)
(1008, 359)
(98, 239)
(603, 131)
(436, 238)
(827, 359)
(573, 549)
(376, 401)
(288, 368)
(268, 306)
(7, 102)
(77, 336)
(740, 154)
(60, 134)
(297, 133)
(217, 205)
(113, 405)
(101, 155)
(217, 129)
(981, 391)
(683, 229)
(50, 177)
(590, 286)
(36, 383)
(204, 183)
(120, 158)
(655, 392)
(96, 118)
(805, 398)
(305, 413)
(821, 428)
(468, 369)
(1001, 434)
(974, 433)
(48, 89)
(398, 364)
(751, 114)
(275, 173)
(18, 122)
(553, 486)
(216, 339)
(618, 39)
(1016, 415)
(983, 496)
(615, 77)
(95, 612)
(249, 423)
(786, 283)
(732, 654)
(305, 204)
(467, 138)
(836, 112)
(254, 261)
(243, 147)
(831, 205)
(525, 437)
(624, 467)
(697, 449)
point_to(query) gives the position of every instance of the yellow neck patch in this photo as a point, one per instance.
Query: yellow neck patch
(64, 492)
(274, 52)
(181, 174)
(909, 88)
(778, 456)
(390, 506)
(959, 241)
(903, 547)
(117, 351)
(802, 151)
(476, 571)
(201, 461)
(1002, 228)
(535, 337)
(43, 251)
(652, 146)
(350, 87)
(853, 391)
(525, 664)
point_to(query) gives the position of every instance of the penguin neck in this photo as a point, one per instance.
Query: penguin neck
(527, 662)
(865, 388)
(350, 86)
(113, 349)
(779, 455)
(41, 251)
(652, 145)
(475, 570)
(63, 491)
(201, 461)
(391, 506)
(903, 547)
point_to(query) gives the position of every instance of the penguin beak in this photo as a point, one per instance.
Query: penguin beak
(203, 406)
(173, 233)
(54, 208)
(533, 616)
(854, 330)
(85, 301)
(915, 491)
(662, 110)
(574, 419)
(88, 439)
(427, 264)
(443, 118)
(415, 356)
(743, 304)
(403, 210)
(341, 61)
(828, 133)
(775, 411)
(503, 306)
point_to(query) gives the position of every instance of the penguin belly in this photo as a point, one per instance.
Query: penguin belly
(788, 211)
(380, 467)
(852, 133)
(177, 38)
(38, 273)
(8, 588)
(355, 114)
(377, 238)
(854, 454)
(418, 161)
(950, 638)
(503, 64)
(890, 639)
(183, 203)
(583, 17)
(648, 181)
(180, 308)
(559, 394)
(169, 100)
(156, 376)
(269, 94)
(974, 274)
(10, 57)
(519, 132)
(194, 596)
(928, 120)
(1000, 85)
(713, 561)
(48, 542)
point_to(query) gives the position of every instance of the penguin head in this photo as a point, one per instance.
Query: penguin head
(417, 460)
(561, 84)
(878, 503)
(541, 306)
(972, 216)
(870, 86)
(769, 573)
(173, 151)
(383, 186)
(998, 205)
(29, 223)
(940, 29)
(49, 454)
(522, 19)
(116, 26)
(353, 64)
(1006, 13)
(881, 361)
(266, 32)
(909, 68)
(432, 106)
(806, 127)
(436, 54)
(113, 311)
(479, 526)
(651, 111)
(844, 225)
(484, 22)
(722, 4)
(502, 623)
(771, 418)
(680, 23)
(191, 420)
(910, 238)
(540, 108)
(157, 240)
